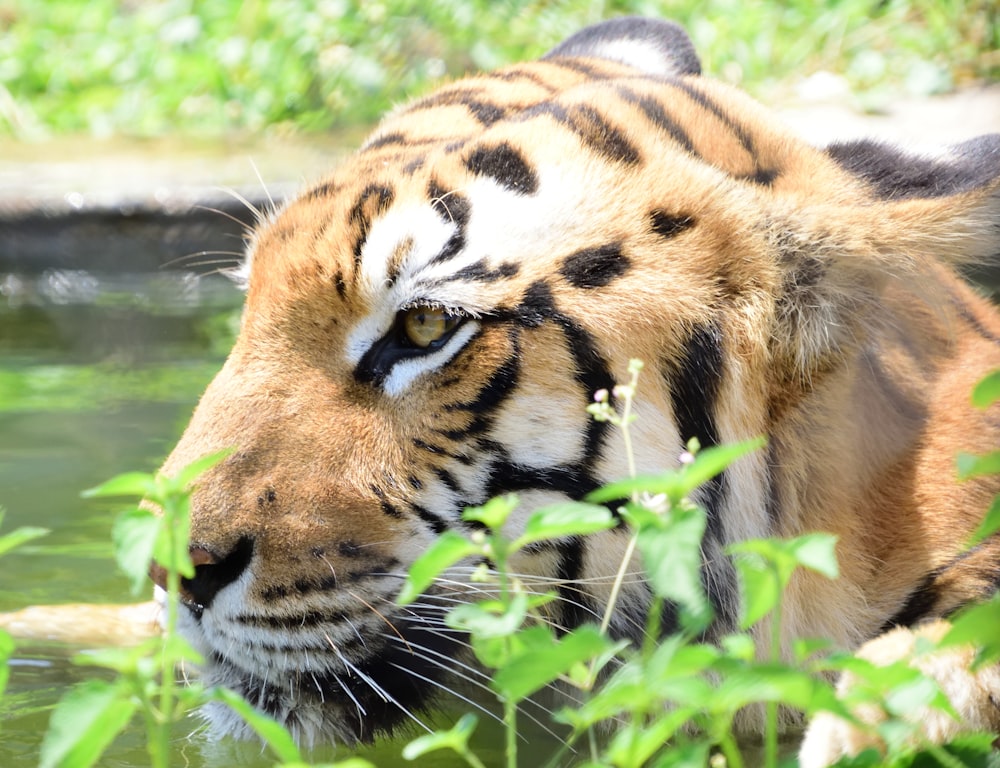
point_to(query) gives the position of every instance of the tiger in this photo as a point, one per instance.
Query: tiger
(424, 327)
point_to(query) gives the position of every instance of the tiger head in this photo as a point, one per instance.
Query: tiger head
(425, 327)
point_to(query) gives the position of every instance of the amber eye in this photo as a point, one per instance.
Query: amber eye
(424, 326)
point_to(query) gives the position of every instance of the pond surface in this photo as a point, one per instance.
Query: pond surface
(98, 375)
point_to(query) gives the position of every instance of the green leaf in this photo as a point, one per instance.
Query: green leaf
(573, 518)
(672, 557)
(978, 626)
(987, 391)
(543, 658)
(277, 737)
(668, 483)
(989, 525)
(137, 484)
(6, 651)
(712, 461)
(766, 682)
(455, 738)
(679, 483)
(125, 661)
(490, 618)
(766, 566)
(19, 536)
(84, 723)
(970, 466)
(636, 743)
(134, 535)
(182, 480)
(494, 513)
(171, 546)
(760, 591)
(912, 695)
(449, 548)
(817, 552)
(693, 755)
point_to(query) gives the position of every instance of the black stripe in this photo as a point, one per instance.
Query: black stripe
(591, 127)
(577, 65)
(658, 116)
(966, 314)
(508, 477)
(373, 200)
(448, 480)
(590, 369)
(574, 602)
(595, 267)
(485, 112)
(591, 372)
(390, 510)
(694, 385)
(506, 166)
(386, 139)
(669, 225)
(436, 523)
(924, 598)
(428, 446)
(340, 284)
(480, 271)
(501, 384)
(452, 207)
(322, 190)
(516, 73)
(704, 101)
(919, 603)
(761, 176)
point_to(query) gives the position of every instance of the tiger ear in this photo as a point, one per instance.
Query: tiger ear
(653, 46)
(944, 208)
(838, 260)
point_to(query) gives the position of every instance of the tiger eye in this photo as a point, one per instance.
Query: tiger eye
(425, 325)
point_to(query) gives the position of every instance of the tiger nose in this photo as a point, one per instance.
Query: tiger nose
(212, 572)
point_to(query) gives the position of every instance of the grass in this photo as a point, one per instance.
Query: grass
(147, 68)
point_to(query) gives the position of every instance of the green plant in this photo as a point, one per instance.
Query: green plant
(90, 716)
(144, 69)
(673, 699)
(654, 692)
(9, 541)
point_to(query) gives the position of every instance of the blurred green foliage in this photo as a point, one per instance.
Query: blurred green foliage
(150, 67)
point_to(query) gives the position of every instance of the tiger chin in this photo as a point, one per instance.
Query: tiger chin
(424, 327)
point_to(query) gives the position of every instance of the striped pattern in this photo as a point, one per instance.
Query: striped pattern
(604, 203)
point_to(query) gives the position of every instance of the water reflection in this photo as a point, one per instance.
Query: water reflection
(99, 372)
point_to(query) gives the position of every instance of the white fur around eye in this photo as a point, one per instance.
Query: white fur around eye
(407, 370)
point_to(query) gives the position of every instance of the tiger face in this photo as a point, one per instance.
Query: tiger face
(424, 328)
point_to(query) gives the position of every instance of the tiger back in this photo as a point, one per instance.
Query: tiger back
(425, 326)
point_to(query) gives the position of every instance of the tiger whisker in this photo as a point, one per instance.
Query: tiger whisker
(260, 215)
(237, 256)
(263, 185)
(374, 610)
(449, 663)
(350, 694)
(379, 690)
(247, 229)
(446, 689)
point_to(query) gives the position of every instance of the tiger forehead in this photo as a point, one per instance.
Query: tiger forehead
(482, 146)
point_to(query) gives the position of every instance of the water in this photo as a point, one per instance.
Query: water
(98, 375)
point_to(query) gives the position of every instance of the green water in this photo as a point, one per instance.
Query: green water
(98, 375)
